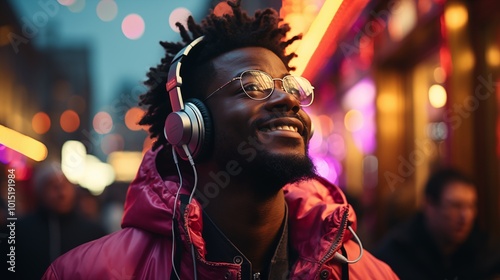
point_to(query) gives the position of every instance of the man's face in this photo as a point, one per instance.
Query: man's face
(453, 217)
(247, 129)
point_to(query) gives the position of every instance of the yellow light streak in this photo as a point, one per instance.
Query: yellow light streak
(23, 144)
(312, 38)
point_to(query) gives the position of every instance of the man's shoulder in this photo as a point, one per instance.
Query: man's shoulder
(96, 246)
(123, 247)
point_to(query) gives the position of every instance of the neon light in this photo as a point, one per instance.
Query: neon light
(23, 144)
(317, 30)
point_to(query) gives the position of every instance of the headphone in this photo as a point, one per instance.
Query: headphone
(189, 130)
(189, 126)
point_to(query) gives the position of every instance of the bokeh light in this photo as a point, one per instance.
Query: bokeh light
(224, 9)
(424, 6)
(125, 165)
(437, 131)
(456, 16)
(77, 6)
(133, 26)
(97, 175)
(370, 164)
(73, 155)
(360, 96)
(324, 169)
(402, 21)
(66, 2)
(493, 56)
(102, 122)
(437, 96)
(70, 121)
(132, 118)
(353, 120)
(326, 124)
(178, 15)
(336, 146)
(439, 75)
(40, 123)
(84, 169)
(107, 10)
(328, 168)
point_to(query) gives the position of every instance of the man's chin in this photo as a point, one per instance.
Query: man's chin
(274, 171)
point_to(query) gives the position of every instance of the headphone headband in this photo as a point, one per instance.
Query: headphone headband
(174, 81)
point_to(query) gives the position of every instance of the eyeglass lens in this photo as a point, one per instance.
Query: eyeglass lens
(259, 85)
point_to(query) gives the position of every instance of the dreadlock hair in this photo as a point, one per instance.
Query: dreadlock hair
(221, 34)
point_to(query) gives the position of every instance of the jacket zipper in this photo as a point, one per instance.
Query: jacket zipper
(336, 242)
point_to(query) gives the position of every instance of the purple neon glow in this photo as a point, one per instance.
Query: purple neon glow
(361, 97)
(328, 145)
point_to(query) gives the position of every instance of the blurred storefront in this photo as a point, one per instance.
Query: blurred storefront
(410, 86)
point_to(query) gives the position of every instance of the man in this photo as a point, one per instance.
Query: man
(225, 213)
(441, 242)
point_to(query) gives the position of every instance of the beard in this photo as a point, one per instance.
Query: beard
(269, 173)
(265, 172)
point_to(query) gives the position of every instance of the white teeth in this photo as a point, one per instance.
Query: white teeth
(281, 127)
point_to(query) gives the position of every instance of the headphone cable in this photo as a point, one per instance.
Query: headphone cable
(191, 161)
(176, 161)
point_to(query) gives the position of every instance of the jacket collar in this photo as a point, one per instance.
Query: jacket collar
(318, 211)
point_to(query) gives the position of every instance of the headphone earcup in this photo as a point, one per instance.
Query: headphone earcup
(206, 128)
(189, 127)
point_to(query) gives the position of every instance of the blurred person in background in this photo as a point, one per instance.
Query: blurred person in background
(442, 241)
(55, 227)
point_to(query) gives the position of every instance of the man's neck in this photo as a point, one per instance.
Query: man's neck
(251, 223)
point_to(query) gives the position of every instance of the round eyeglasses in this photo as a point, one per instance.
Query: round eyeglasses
(259, 85)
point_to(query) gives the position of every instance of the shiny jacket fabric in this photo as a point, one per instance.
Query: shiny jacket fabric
(318, 217)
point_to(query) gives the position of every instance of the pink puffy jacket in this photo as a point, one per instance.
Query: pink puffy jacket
(318, 217)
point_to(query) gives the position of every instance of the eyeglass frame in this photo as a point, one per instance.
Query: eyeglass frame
(270, 93)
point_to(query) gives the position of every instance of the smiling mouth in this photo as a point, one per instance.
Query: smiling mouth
(285, 124)
(280, 128)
